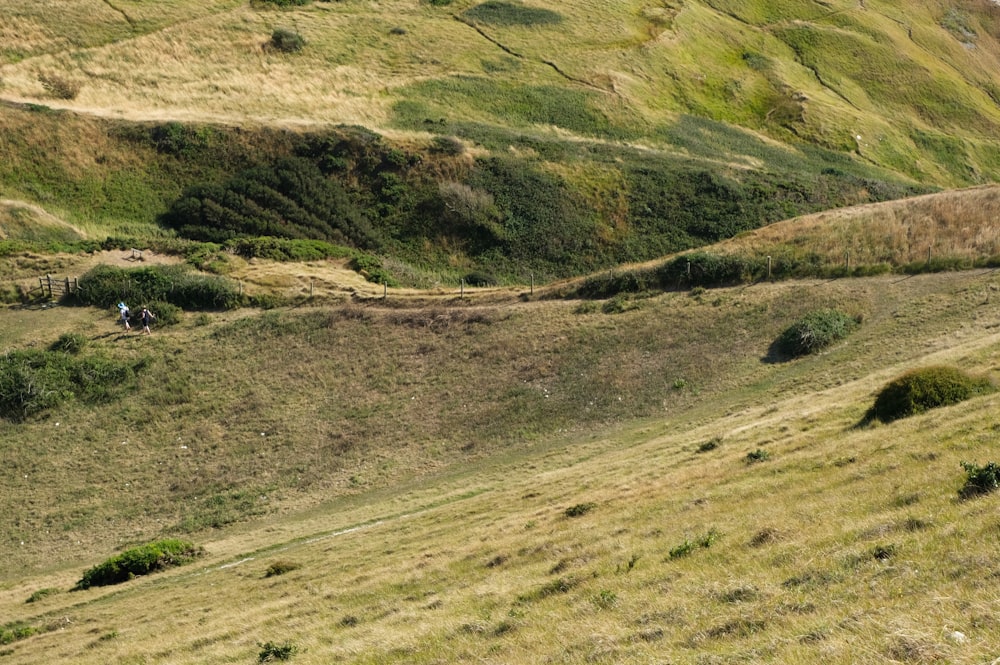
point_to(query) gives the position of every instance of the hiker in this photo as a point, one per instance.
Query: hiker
(123, 313)
(147, 317)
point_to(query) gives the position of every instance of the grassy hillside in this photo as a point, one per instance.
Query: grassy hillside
(413, 470)
(498, 137)
(444, 482)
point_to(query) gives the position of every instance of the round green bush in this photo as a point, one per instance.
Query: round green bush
(286, 41)
(815, 331)
(923, 389)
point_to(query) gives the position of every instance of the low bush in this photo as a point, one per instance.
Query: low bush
(815, 332)
(137, 561)
(71, 343)
(759, 455)
(689, 546)
(281, 567)
(286, 41)
(41, 593)
(371, 268)
(711, 444)
(480, 279)
(979, 479)
(580, 509)
(271, 651)
(287, 249)
(59, 86)
(923, 389)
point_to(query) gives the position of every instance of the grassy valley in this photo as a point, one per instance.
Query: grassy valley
(474, 331)
(444, 480)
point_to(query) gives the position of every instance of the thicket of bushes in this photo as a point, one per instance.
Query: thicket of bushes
(510, 215)
(177, 285)
(926, 388)
(526, 203)
(137, 561)
(33, 381)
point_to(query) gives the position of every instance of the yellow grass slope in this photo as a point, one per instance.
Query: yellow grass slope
(657, 540)
(960, 224)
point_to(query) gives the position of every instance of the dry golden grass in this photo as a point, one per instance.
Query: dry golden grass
(955, 224)
(847, 545)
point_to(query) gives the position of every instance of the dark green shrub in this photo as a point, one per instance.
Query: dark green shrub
(30, 385)
(711, 444)
(271, 651)
(704, 269)
(71, 343)
(923, 389)
(447, 145)
(979, 479)
(759, 455)
(286, 41)
(287, 249)
(141, 560)
(281, 567)
(580, 509)
(480, 279)
(166, 313)
(815, 332)
(609, 284)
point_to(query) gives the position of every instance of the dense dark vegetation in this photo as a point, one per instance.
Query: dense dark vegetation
(815, 331)
(141, 560)
(503, 213)
(926, 388)
(178, 285)
(33, 381)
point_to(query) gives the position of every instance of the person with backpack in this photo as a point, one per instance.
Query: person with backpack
(123, 315)
(146, 317)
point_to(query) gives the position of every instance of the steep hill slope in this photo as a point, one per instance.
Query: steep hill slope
(898, 84)
(532, 481)
(499, 136)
